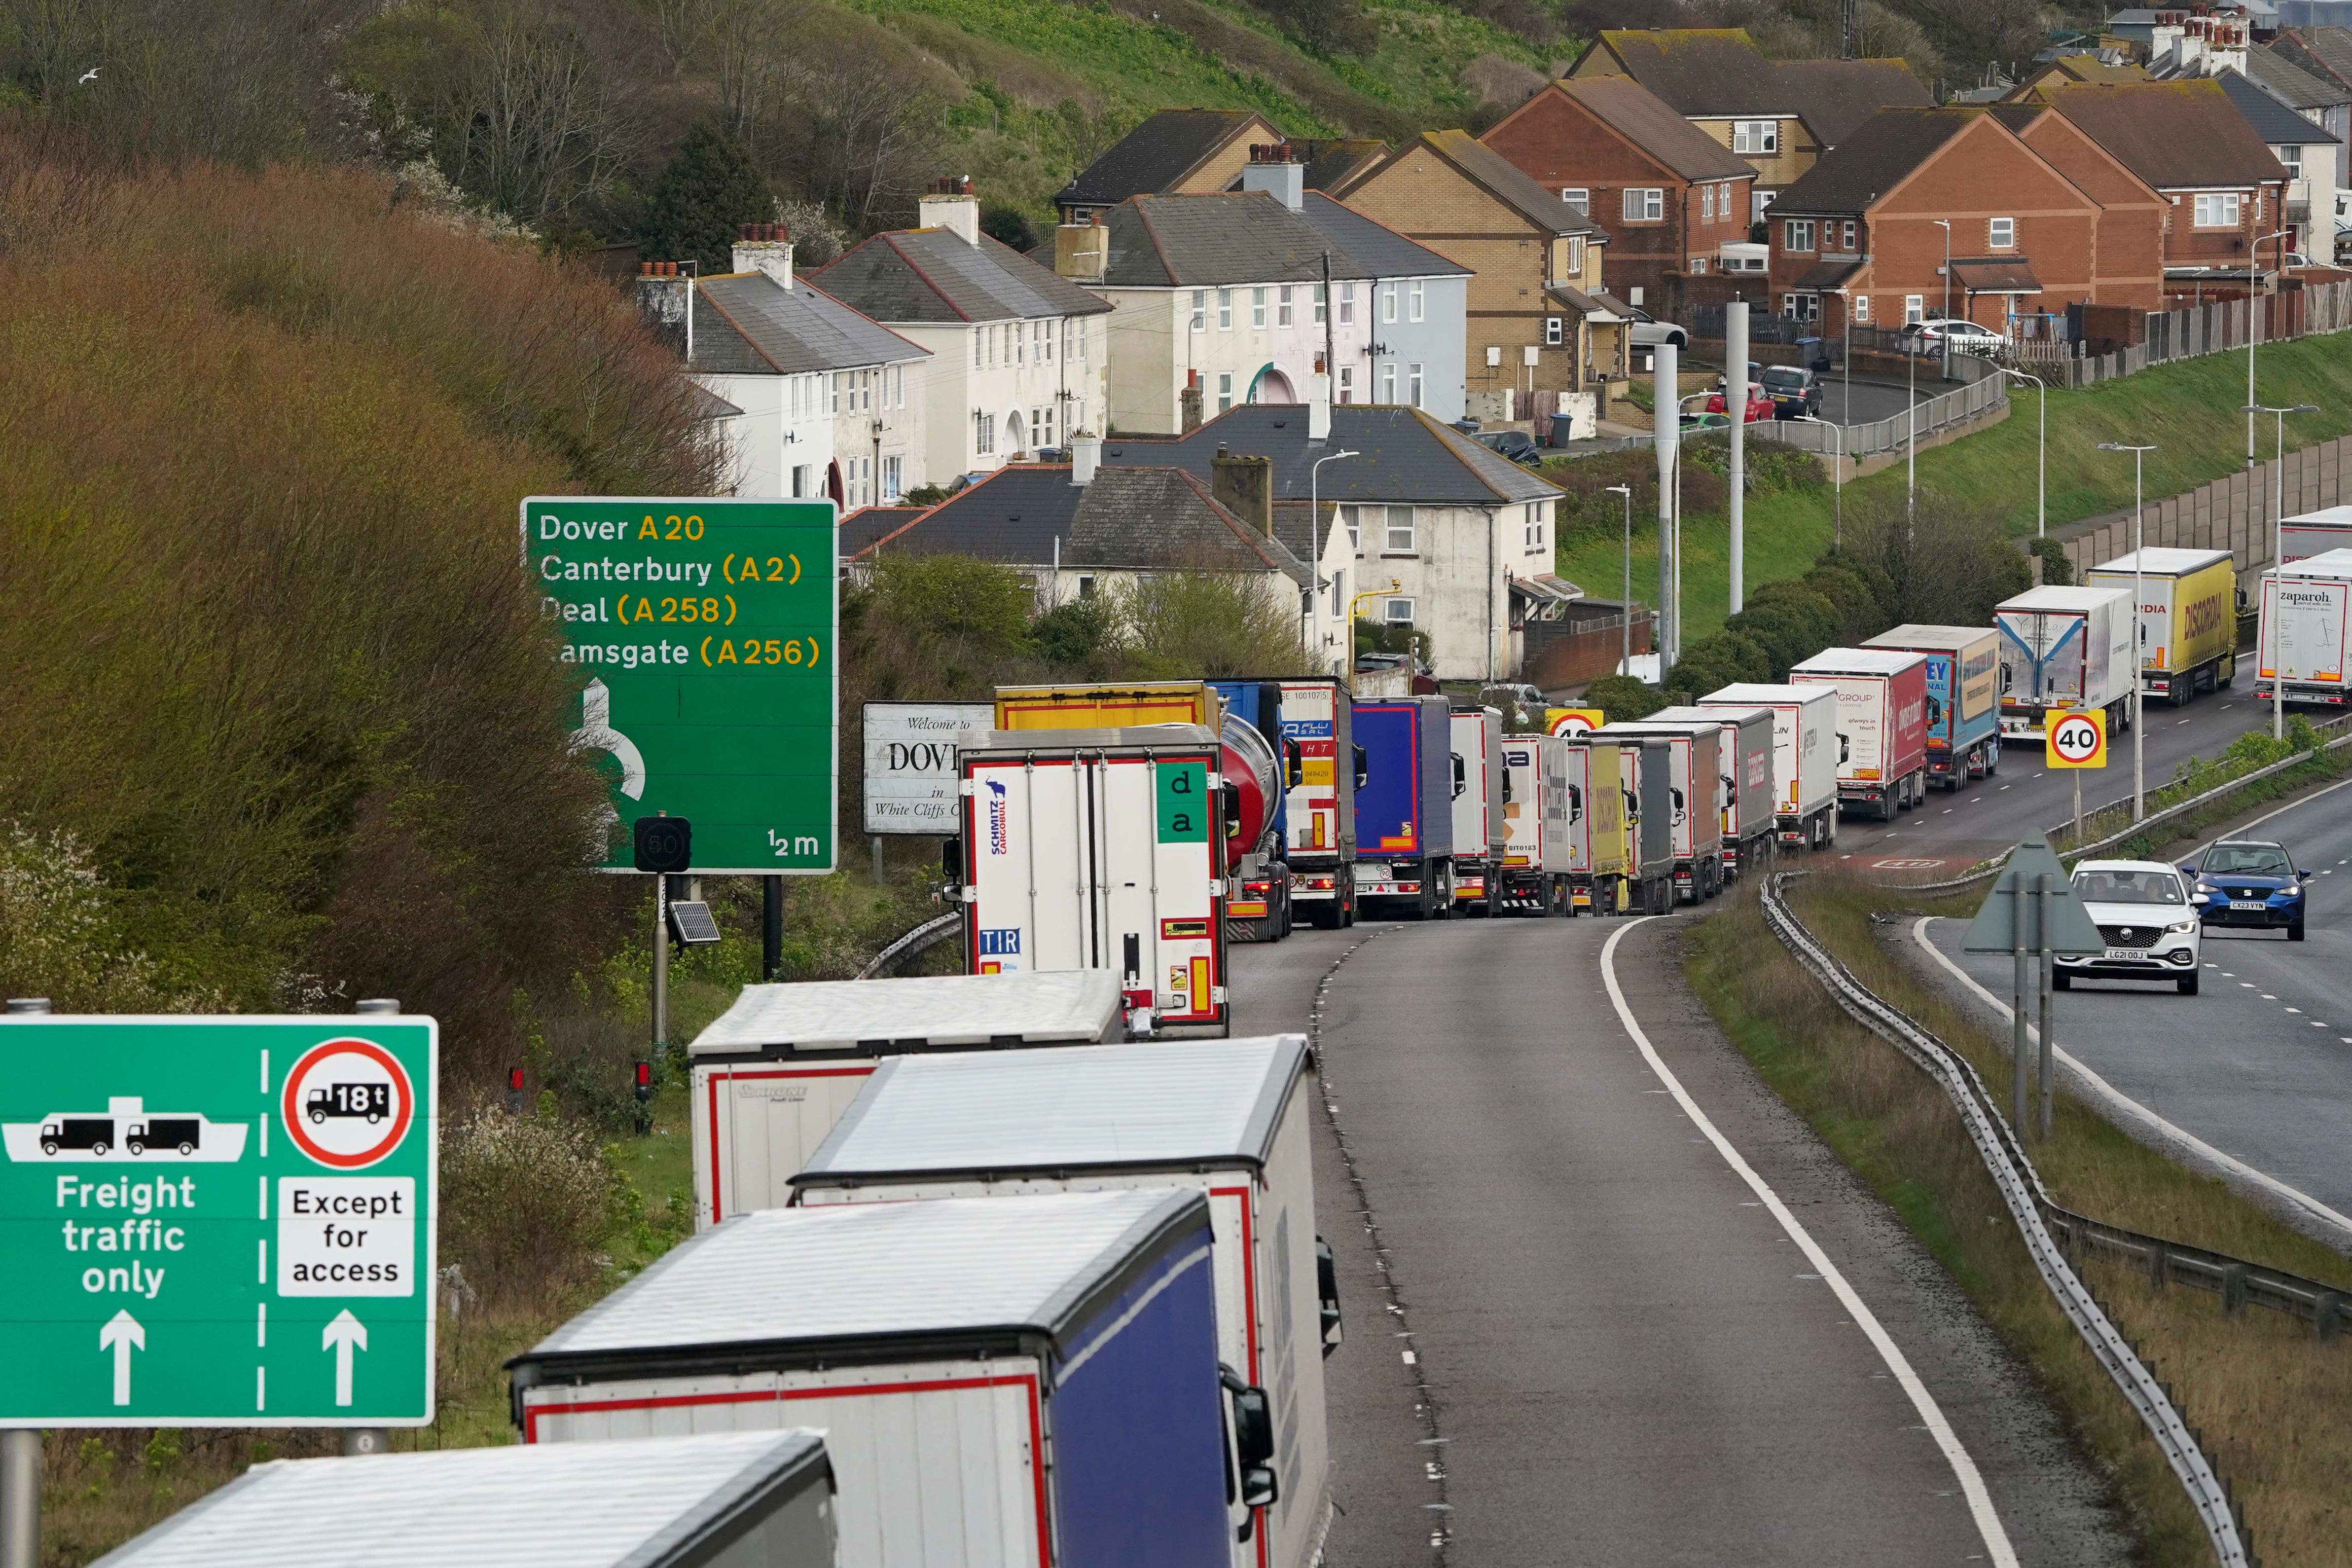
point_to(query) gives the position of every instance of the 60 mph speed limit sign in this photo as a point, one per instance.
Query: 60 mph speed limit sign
(2078, 740)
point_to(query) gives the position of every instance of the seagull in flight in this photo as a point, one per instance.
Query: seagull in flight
(87, 77)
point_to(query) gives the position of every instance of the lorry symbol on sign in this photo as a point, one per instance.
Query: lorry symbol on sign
(125, 1130)
(372, 1101)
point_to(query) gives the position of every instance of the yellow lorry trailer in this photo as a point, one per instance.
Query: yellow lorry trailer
(2187, 617)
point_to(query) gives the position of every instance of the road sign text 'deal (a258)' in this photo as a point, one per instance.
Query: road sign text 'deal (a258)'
(218, 1221)
(703, 634)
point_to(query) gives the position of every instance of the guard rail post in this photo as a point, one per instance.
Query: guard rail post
(20, 1446)
(2017, 1008)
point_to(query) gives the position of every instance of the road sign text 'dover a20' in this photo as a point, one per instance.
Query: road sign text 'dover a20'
(2078, 740)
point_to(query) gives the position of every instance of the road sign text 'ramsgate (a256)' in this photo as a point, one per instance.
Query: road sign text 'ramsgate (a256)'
(704, 633)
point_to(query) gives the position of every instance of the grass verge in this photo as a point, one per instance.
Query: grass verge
(2268, 1399)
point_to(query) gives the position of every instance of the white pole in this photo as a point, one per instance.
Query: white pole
(2139, 659)
(2278, 536)
(1735, 353)
(1665, 394)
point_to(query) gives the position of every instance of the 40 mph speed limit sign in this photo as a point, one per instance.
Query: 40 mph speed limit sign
(2078, 740)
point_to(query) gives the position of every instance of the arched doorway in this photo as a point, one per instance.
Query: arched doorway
(1271, 385)
(1016, 433)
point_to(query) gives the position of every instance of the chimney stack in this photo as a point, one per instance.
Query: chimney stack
(949, 204)
(1244, 486)
(1086, 457)
(1275, 171)
(1081, 250)
(1319, 402)
(1188, 401)
(663, 296)
(765, 248)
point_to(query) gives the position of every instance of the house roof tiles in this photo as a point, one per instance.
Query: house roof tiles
(749, 324)
(2173, 134)
(1175, 242)
(1837, 98)
(1153, 157)
(2292, 83)
(932, 277)
(1874, 160)
(1654, 125)
(2325, 52)
(1404, 455)
(1715, 73)
(2273, 122)
(1490, 170)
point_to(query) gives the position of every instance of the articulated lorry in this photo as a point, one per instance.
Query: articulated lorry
(2064, 650)
(1538, 811)
(1600, 823)
(1881, 725)
(2187, 617)
(1744, 753)
(1319, 813)
(2302, 638)
(1481, 788)
(1963, 699)
(1695, 793)
(1644, 786)
(1804, 757)
(1102, 849)
(1404, 807)
(2308, 534)
(1262, 764)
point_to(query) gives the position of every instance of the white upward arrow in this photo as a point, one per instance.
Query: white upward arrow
(342, 1333)
(121, 1334)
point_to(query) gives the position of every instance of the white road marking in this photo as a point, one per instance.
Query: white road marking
(2118, 1100)
(1987, 1521)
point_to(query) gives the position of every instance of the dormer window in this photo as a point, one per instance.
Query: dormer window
(1756, 138)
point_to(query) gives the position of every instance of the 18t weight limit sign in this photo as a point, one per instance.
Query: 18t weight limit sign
(2078, 740)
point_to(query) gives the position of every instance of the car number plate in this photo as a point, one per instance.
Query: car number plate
(2126, 954)
(2248, 904)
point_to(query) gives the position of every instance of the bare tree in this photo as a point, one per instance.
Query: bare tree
(540, 128)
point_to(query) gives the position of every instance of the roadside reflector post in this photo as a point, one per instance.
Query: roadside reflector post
(2048, 968)
(20, 1446)
(2017, 1017)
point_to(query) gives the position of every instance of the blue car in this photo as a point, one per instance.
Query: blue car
(2248, 882)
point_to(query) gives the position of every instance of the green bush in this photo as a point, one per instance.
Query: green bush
(528, 1204)
(1621, 698)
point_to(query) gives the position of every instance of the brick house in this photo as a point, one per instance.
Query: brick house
(1537, 316)
(1867, 225)
(2132, 213)
(2188, 142)
(1779, 116)
(1669, 196)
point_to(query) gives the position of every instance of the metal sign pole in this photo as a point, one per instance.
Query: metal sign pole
(20, 1448)
(661, 963)
(771, 929)
(2017, 1020)
(2078, 808)
(2049, 969)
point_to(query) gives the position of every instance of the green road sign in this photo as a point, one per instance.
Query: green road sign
(2072, 931)
(705, 635)
(218, 1221)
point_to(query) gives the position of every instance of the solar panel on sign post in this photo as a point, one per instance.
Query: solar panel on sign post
(692, 925)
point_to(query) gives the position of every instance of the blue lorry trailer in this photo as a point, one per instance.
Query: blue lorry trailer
(1405, 808)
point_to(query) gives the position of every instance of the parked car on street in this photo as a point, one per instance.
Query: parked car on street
(1516, 445)
(2248, 882)
(2143, 913)
(1696, 423)
(1759, 402)
(1647, 331)
(1967, 337)
(1795, 392)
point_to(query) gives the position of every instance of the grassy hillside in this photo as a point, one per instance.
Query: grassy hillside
(2188, 409)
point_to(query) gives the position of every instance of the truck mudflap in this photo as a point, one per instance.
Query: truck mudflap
(2022, 726)
(1524, 894)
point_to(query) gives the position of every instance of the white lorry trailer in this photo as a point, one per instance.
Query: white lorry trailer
(1479, 793)
(1230, 1119)
(2301, 639)
(1003, 1382)
(1537, 812)
(771, 1075)
(2064, 650)
(1745, 756)
(1695, 792)
(1321, 814)
(1804, 757)
(2308, 534)
(1102, 849)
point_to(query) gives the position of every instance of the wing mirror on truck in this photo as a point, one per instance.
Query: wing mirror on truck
(952, 860)
(1250, 1480)
(1461, 776)
(1363, 769)
(1327, 1292)
(1575, 804)
(1293, 763)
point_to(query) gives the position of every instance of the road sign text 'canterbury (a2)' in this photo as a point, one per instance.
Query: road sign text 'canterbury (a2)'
(218, 1221)
(703, 633)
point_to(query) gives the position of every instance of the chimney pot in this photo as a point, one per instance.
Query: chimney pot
(644, 270)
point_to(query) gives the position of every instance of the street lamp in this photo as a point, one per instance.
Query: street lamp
(2254, 334)
(2139, 632)
(1837, 474)
(2278, 512)
(1946, 225)
(2041, 475)
(1315, 515)
(1625, 656)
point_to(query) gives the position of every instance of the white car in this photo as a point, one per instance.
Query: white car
(2143, 912)
(1967, 337)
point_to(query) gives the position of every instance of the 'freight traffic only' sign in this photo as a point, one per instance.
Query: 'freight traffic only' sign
(704, 633)
(218, 1221)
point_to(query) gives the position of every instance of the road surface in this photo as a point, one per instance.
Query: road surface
(1576, 1333)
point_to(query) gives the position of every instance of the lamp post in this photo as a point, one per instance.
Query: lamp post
(2278, 514)
(1946, 225)
(2254, 335)
(2042, 467)
(1837, 474)
(2139, 632)
(1625, 654)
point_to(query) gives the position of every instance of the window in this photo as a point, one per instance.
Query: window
(1085, 585)
(1723, 202)
(2216, 210)
(1914, 309)
(1697, 266)
(1346, 305)
(1758, 201)
(1321, 304)
(1797, 234)
(1398, 539)
(1048, 426)
(1551, 331)
(1412, 300)
(1707, 203)
(1020, 342)
(1258, 309)
(1387, 302)
(1224, 391)
(1533, 525)
(894, 478)
(1575, 273)
(1645, 203)
(832, 402)
(1580, 197)
(1397, 611)
(1388, 382)
(976, 332)
(1756, 138)
(1353, 517)
(2001, 234)
(1862, 306)
(1283, 316)
(1802, 306)
(1224, 309)
(1347, 383)
(1037, 428)
(1082, 338)
(1339, 588)
(803, 481)
(1846, 236)
(2292, 156)
(1200, 309)
(984, 431)
(1413, 383)
(1045, 340)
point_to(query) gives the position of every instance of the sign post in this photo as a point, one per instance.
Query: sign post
(2032, 907)
(218, 1221)
(2079, 740)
